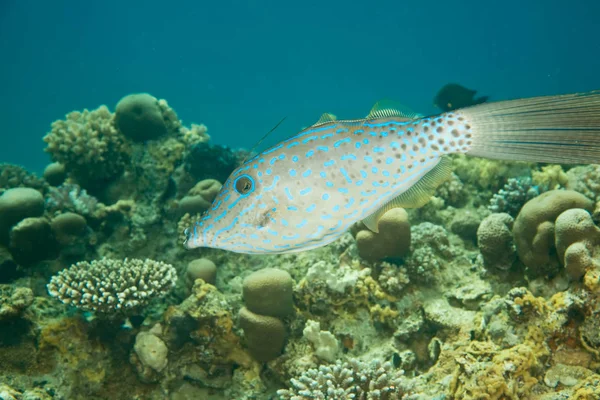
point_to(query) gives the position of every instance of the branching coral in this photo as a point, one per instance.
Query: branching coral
(429, 250)
(585, 180)
(353, 379)
(70, 198)
(89, 146)
(112, 286)
(12, 176)
(513, 196)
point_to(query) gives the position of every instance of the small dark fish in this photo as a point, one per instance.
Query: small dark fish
(453, 96)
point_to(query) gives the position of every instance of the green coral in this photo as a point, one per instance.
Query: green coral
(484, 173)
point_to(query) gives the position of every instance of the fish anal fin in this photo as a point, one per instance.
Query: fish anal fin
(326, 117)
(389, 108)
(372, 221)
(418, 194)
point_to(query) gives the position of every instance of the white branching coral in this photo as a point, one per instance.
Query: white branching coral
(112, 286)
(353, 379)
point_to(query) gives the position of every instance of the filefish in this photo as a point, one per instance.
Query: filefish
(306, 191)
(453, 96)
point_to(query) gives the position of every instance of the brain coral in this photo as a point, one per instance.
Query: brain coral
(143, 117)
(495, 241)
(112, 286)
(534, 229)
(88, 145)
(577, 241)
(392, 241)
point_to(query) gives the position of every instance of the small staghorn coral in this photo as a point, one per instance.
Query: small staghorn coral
(511, 198)
(89, 145)
(353, 379)
(12, 176)
(112, 286)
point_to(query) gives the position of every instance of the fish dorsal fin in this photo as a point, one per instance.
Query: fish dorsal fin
(389, 108)
(261, 139)
(326, 117)
(417, 195)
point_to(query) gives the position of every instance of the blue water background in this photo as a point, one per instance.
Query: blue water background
(240, 66)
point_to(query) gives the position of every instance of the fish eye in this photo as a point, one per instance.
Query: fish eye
(244, 185)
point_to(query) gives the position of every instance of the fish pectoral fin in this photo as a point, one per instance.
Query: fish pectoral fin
(389, 108)
(418, 194)
(326, 117)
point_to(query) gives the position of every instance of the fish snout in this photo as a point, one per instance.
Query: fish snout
(196, 236)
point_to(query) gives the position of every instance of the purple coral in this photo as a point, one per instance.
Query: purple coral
(511, 198)
(72, 198)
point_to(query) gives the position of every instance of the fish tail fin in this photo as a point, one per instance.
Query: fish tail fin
(552, 129)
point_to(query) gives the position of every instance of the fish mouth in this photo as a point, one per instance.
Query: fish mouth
(195, 236)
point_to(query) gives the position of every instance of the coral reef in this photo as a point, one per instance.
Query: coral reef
(490, 292)
(392, 240)
(268, 298)
(112, 286)
(577, 241)
(143, 117)
(17, 204)
(269, 292)
(201, 268)
(534, 229)
(353, 379)
(55, 173)
(511, 198)
(495, 241)
(211, 161)
(12, 176)
(89, 146)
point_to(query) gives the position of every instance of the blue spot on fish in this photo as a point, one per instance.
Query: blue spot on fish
(345, 173)
(340, 142)
(289, 195)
